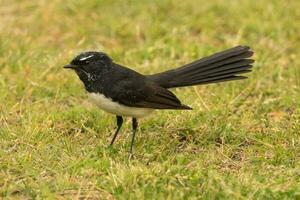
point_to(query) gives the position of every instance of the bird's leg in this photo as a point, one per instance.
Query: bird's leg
(119, 125)
(134, 127)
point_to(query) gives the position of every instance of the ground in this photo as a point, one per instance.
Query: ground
(240, 141)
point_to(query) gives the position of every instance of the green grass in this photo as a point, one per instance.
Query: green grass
(241, 141)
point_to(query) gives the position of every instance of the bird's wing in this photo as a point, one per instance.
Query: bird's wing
(138, 92)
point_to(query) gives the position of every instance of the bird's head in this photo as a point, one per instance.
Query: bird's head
(88, 64)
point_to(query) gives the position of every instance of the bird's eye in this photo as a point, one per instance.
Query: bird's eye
(86, 62)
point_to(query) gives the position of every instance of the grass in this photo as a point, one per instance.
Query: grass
(241, 141)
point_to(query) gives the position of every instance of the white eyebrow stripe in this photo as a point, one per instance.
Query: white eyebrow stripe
(84, 58)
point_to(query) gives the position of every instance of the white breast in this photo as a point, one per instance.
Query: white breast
(110, 106)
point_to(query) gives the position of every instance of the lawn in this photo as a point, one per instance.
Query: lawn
(240, 141)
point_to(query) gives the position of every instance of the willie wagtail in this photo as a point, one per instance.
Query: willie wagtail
(124, 92)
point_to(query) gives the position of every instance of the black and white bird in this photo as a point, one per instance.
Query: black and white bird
(124, 92)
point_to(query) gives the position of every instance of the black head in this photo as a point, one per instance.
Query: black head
(89, 62)
(91, 67)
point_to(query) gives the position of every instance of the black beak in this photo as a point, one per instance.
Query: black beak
(70, 66)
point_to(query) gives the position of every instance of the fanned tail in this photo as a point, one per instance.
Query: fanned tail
(223, 66)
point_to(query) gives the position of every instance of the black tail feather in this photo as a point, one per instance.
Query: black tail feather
(220, 67)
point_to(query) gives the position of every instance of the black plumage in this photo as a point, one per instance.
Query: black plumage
(131, 89)
(223, 66)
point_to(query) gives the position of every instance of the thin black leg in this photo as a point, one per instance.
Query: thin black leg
(119, 125)
(134, 127)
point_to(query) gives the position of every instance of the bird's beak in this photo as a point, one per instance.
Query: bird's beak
(70, 66)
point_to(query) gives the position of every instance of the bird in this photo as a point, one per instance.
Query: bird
(124, 92)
